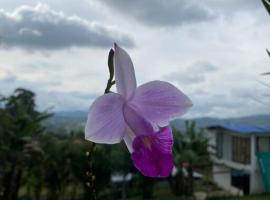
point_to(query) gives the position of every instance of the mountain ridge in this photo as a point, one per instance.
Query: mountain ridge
(75, 120)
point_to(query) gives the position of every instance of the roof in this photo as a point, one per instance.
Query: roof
(243, 129)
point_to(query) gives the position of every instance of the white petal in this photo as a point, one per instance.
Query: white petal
(159, 102)
(105, 123)
(128, 139)
(124, 73)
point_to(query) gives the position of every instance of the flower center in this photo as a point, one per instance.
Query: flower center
(147, 142)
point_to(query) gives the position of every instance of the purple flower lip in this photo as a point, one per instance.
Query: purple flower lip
(137, 115)
(152, 154)
(147, 142)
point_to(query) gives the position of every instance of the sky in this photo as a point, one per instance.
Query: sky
(212, 50)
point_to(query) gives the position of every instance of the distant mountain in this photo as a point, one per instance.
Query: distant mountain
(207, 121)
(67, 121)
(75, 120)
(72, 114)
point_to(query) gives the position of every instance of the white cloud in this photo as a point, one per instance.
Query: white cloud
(41, 27)
(193, 74)
(233, 44)
(162, 13)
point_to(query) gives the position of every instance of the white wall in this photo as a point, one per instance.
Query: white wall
(256, 183)
(222, 174)
(222, 177)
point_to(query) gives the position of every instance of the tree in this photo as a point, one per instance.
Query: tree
(190, 150)
(266, 4)
(21, 123)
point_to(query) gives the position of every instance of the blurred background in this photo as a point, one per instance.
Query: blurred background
(53, 64)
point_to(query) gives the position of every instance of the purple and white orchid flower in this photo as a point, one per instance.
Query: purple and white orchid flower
(140, 116)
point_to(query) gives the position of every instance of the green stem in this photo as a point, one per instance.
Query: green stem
(90, 180)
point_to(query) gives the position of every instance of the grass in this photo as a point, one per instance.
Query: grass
(172, 197)
(163, 197)
(162, 192)
(255, 197)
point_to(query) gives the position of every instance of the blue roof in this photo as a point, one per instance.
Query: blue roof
(244, 129)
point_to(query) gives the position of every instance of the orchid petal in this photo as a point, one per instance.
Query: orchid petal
(152, 154)
(105, 123)
(135, 121)
(124, 73)
(159, 102)
(128, 139)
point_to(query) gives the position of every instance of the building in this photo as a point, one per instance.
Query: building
(241, 157)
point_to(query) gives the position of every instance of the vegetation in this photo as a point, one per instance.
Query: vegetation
(36, 163)
(190, 150)
(255, 197)
(40, 163)
(266, 4)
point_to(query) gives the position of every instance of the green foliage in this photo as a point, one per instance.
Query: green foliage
(40, 164)
(267, 73)
(19, 129)
(252, 197)
(191, 146)
(49, 165)
(121, 159)
(190, 152)
(266, 4)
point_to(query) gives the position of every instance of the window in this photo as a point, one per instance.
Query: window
(263, 144)
(241, 149)
(219, 144)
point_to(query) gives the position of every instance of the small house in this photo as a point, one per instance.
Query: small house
(241, 158)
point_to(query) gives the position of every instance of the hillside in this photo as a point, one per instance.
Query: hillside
(207, 121)
(75, 120)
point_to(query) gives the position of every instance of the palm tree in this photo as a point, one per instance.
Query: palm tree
(266, 4)
(190, 150)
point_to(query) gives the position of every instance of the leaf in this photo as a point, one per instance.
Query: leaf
(267, 73)
(268, 52)
(266, 4)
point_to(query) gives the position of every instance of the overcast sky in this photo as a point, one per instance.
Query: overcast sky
(213, 50)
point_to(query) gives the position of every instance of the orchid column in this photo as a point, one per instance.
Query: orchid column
(138, 115)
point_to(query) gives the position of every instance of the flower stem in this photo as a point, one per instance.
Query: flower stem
(90, 177)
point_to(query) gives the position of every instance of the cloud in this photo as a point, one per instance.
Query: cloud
(61, 101)
(193, 74)
(40, 27)
(167, 46)
(7, 76)
(47, 97)
(161, 12)
(227, 101)
(233, 5)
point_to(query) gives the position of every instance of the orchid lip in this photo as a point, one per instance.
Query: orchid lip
(147, 142)
(152, 154)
